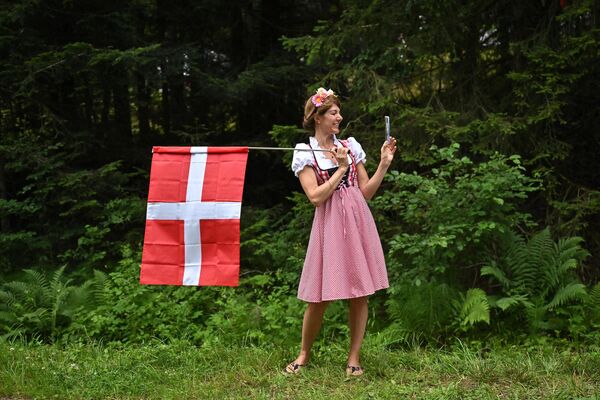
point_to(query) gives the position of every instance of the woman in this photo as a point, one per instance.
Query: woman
(344, 259)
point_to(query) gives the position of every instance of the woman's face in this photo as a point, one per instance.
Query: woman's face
(330, 121)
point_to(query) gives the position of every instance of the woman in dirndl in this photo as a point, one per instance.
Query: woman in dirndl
(344, 259)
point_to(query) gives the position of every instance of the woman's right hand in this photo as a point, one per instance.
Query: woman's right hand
(341, 156)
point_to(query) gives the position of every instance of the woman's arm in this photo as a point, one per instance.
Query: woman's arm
(318, 194)
(368, 186)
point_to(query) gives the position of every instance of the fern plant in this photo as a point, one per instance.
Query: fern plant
(42, 307)
(537, 275)
(474, 307)
(422, 312)
(592, 306)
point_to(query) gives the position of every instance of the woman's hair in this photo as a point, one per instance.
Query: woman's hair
(311, 111)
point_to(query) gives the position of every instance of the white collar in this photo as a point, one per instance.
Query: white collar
(321, 155)
(314, 142)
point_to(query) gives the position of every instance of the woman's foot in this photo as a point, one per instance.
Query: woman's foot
(296, 366)
(354, 370)
(293, 368)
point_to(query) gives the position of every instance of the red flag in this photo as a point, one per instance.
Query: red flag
(193, 217)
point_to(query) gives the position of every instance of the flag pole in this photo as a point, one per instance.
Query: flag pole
(284, 148)
(166, 149)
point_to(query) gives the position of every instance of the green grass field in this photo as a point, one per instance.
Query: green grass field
(179, 371)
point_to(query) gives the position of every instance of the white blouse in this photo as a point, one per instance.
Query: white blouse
(303, 158)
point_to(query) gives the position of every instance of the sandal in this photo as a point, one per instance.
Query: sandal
(354, 370)
(293, 368)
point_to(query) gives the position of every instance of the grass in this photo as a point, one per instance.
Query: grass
(180, 371)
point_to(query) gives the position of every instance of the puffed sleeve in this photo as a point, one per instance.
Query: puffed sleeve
(301, 158)
(357, 150)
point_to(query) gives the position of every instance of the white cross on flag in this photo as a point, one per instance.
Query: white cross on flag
(193, 218)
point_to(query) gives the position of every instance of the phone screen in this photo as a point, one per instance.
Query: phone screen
(387, 128)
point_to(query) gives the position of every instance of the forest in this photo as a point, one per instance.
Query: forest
(488, 218)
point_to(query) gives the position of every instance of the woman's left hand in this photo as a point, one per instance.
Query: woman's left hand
(387, 151)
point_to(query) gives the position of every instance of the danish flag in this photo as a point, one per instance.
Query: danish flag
(192, 232)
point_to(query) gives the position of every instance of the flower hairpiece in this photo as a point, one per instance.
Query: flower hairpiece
(319, 98)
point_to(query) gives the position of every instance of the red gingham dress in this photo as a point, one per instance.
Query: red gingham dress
(344, 258)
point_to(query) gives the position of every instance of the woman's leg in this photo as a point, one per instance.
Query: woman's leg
(359, 313)
(311, 325)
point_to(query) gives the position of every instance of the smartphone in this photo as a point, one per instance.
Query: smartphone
(387, 128)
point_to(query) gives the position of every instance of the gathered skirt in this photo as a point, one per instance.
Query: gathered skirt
(344, 258)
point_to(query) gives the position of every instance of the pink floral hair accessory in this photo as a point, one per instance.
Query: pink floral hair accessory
(319, 98)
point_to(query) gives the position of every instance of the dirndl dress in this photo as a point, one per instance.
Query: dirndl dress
(344, 258)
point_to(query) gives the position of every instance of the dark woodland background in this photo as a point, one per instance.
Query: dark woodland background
(489, 219)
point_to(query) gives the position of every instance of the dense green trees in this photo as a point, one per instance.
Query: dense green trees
(494, 105)
(89, 87)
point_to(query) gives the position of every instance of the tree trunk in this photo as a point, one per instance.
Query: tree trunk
(166, 108)
(104, 119)
(122, 106)
(143, 100)
(4, 221)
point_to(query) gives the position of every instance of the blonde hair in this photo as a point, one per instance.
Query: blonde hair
(311, 111)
